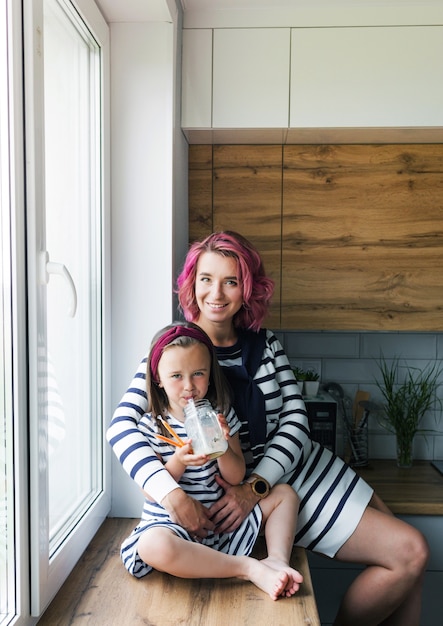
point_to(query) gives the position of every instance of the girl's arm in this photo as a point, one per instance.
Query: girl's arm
(232, 463)
(182, 457)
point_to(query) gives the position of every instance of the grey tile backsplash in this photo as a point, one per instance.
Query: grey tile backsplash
(349, 358)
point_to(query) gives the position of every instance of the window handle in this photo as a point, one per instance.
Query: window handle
(48, 267)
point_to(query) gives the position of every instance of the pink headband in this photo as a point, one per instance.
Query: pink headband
(168, 337)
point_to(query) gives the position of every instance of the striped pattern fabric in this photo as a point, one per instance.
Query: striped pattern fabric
(198, 482)
(240, 542)
(332, 497)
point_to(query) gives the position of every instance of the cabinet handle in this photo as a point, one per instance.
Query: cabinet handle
(48, 267)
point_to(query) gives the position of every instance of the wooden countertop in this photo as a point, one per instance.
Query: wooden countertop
(414, 491)
(100, 591)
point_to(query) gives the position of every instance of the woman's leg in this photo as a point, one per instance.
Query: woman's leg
(280, 511)
(389, 590)
(166, 552)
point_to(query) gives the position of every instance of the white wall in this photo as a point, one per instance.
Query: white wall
(149, 205)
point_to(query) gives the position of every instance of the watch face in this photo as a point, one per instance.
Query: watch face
(260, 487)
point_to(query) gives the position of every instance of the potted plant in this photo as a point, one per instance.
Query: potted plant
(308, 380)
(406, 402)
(312, 382)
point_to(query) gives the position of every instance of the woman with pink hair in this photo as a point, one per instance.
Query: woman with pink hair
(224, 289)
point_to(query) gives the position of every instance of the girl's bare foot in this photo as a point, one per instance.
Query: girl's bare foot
(272, 581)
(294, 577)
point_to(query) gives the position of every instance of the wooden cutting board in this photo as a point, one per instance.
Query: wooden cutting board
(357, 410)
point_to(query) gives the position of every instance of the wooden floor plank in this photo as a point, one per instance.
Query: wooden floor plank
(100, 592)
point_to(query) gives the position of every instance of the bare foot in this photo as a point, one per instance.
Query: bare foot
(268, 579)
(294, 577)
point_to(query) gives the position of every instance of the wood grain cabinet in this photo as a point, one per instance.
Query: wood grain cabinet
(351, 234)
(362, 237)
(239, 188)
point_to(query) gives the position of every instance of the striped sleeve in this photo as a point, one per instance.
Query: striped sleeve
(131, 446)
(289, 443)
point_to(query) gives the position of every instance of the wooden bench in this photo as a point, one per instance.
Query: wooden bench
(100, 592)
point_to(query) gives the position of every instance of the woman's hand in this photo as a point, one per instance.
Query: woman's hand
(230, 511)
(188, 513)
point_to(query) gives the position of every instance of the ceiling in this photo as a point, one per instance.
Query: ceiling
(157, 10)
(134, 10)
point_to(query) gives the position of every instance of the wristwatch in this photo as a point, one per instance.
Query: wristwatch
(260, 487)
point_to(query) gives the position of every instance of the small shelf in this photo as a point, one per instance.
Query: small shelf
(414, 491)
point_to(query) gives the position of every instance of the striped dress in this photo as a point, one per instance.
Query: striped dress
(198, 482)
(332, 496)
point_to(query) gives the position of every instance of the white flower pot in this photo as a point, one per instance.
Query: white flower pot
(311, 387)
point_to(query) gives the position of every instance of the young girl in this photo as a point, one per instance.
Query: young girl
(181, 365)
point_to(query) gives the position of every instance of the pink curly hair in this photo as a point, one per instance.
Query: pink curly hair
(257, 287)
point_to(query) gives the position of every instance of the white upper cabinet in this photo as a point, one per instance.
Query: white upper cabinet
(251, 78)
(236, 78)
(270, 80)
(197, 78)
(367, 77)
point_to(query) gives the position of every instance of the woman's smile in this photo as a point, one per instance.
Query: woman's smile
(216, 306)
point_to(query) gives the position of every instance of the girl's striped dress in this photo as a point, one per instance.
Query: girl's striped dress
(198, 482)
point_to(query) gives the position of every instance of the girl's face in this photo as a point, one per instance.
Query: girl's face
(184, 373)
(217, 289)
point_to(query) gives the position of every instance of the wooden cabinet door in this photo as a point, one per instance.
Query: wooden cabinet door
(239, 188)
(247, 199)
(351, 234)
(362, 238)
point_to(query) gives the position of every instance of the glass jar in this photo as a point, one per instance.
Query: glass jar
(202, 426)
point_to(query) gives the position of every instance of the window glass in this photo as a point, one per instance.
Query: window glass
(71, 364)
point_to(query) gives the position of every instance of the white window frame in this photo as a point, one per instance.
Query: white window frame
(48, 571)
(17, 442)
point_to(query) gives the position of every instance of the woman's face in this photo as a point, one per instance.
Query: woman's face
(217, 290)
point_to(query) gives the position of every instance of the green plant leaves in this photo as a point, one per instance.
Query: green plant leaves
(406, 403)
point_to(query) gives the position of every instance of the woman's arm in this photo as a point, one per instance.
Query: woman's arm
(290, 443)
(142, 464)
(131, 446)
